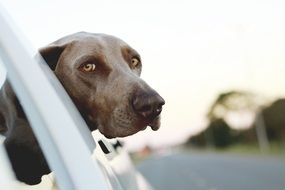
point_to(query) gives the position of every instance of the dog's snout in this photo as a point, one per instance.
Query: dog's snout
(148, 105)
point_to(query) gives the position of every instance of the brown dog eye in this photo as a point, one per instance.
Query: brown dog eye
(89, 67)
(135, 62)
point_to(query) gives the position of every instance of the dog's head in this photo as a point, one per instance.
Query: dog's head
(101, 73)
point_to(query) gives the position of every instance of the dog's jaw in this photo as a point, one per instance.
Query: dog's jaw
(114, 129)
(155, 124)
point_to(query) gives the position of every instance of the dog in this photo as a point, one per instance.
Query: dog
(101, 74)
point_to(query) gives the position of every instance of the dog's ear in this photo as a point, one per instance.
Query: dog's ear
(51, 54)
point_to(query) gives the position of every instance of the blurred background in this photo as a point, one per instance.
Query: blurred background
(218, 64)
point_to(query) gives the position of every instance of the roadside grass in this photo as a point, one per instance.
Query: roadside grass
(275, 149)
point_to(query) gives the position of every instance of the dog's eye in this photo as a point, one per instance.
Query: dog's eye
(135, 62)
(88, 67)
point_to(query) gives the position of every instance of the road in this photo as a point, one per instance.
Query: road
(209, 171)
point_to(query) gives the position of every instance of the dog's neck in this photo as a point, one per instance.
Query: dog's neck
(11, 110)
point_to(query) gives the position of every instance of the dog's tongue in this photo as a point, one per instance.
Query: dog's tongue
(155, 124)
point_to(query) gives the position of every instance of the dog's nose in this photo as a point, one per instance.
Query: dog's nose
(148, 105)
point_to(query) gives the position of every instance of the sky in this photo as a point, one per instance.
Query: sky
(191, 50)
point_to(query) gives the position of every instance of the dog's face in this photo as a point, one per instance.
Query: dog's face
(101, 75)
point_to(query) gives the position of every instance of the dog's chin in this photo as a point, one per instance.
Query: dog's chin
(116, 134)
(122, 132)
(118, 129)
(155, 124)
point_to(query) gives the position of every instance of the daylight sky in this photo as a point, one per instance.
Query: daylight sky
(191, 50)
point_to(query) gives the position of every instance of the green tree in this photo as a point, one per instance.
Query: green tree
(274, 118)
